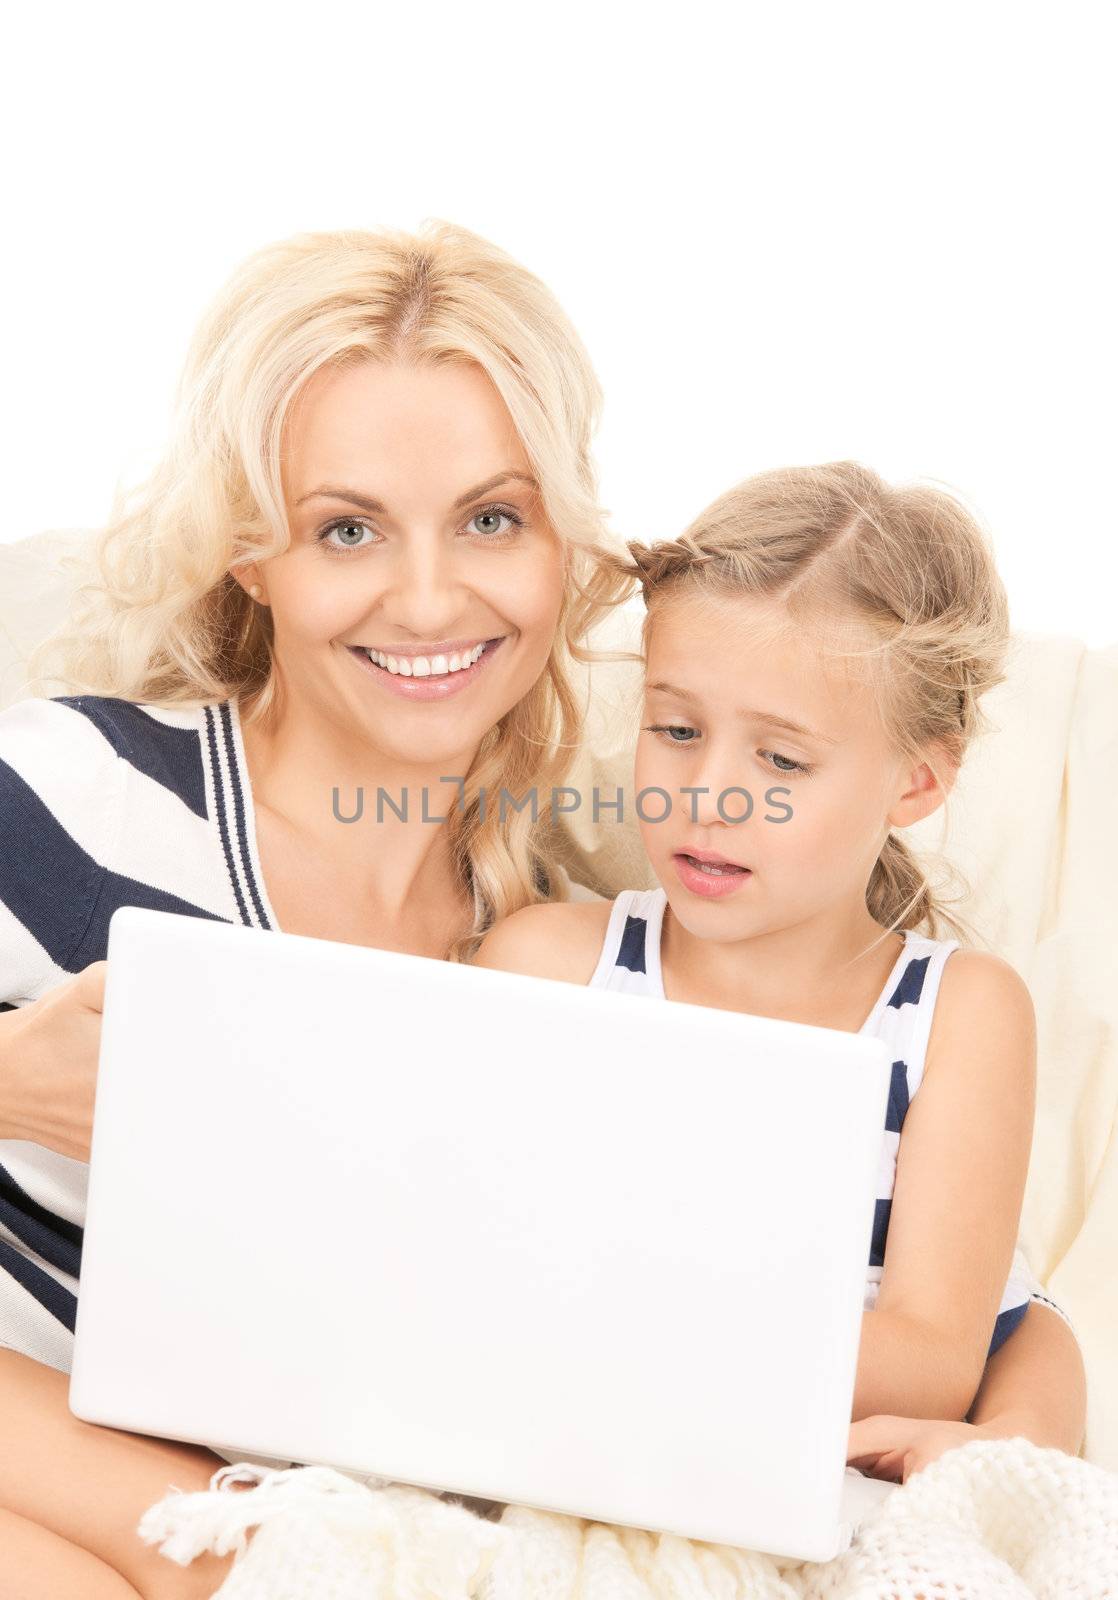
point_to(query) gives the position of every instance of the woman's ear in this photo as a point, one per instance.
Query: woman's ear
(247, 574)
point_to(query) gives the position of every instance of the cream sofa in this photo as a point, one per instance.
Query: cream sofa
(1032, 830)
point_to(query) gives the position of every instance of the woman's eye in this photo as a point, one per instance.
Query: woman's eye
(488, 523)
(678, 733)
(349, 532)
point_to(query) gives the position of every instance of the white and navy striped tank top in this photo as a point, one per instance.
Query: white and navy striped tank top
(902, 1016)
(103, 803)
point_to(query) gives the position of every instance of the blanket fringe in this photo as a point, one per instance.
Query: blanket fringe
(990, 1520)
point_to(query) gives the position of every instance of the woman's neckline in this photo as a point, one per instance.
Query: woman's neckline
(250, 851)
(253, 864)
(656, 971)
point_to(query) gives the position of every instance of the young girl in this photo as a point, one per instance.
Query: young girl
(815, 647)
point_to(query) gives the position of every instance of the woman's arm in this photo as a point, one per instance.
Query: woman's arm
(62, 802)
(49, 1052)
(1035, 1384)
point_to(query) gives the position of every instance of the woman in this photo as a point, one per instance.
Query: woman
(364, 563)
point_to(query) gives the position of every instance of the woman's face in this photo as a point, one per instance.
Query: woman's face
(419, 597)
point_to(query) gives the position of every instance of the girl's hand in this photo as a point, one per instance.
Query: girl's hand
(48, 1065)
(896, 1447)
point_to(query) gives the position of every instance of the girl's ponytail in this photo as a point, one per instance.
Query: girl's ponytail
(898, 894)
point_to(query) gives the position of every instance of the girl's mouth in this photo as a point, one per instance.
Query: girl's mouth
(431, 677)
(712, 879)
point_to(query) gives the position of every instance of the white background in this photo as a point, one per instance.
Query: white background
(786, 234)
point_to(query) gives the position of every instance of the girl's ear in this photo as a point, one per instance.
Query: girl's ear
(926, 787)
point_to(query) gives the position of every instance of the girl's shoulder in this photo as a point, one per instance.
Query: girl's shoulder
(948, 977)
(556, 939)
(983, 1008)
(975, 977)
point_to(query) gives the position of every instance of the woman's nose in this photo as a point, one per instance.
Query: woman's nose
(426, 592)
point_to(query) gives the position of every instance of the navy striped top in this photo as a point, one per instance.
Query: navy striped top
(902, 1016)
(103, 803)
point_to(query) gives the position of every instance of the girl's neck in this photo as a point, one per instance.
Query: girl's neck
(827, 972)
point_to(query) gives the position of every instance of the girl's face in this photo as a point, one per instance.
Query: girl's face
(419, 597)
(750, 711)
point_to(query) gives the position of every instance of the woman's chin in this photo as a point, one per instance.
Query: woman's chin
(448, 753)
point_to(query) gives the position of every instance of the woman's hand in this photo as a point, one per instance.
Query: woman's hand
(48, 1065)
(896, 1447)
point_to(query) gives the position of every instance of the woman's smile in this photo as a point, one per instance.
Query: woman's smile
(429, 595)
(431, 673)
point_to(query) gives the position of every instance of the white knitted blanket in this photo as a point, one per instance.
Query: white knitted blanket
(994, 1519)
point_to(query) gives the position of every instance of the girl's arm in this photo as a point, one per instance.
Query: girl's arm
(909, 1366)
(960, 1181)
(1035, 1385)
(956, 1206)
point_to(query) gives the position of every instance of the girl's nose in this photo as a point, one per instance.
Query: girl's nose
(722, 791)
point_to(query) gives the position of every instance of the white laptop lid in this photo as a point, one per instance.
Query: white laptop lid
(479, 1232)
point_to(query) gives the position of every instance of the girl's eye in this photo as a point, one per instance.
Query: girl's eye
(789, 764)
(349, 531)
(672, 729)
(489, 521)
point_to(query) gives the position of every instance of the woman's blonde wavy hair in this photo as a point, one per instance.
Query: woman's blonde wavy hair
(907, 567)
(157, 616)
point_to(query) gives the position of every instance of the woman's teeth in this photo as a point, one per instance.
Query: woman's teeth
(425, 666)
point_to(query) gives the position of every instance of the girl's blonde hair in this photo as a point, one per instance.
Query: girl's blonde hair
(157, 616)
(853, 556)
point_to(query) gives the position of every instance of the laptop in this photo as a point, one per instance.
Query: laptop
(492, 1235)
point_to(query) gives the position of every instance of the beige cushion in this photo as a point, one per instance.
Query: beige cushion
(34, 594)
(1030, 826)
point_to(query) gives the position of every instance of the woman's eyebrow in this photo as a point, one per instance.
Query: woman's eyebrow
(332, 491)
(756, 716)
